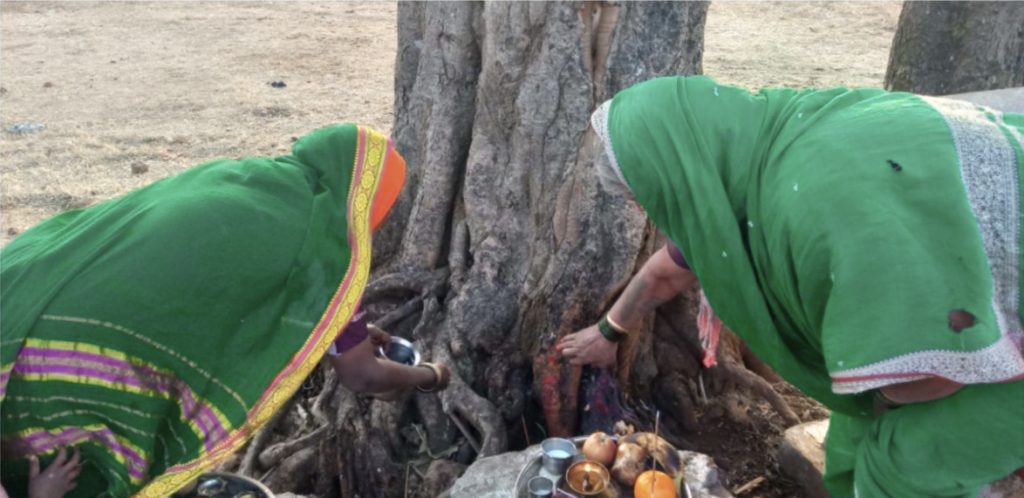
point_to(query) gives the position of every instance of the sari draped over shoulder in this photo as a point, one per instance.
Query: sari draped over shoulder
(836, 231)
(159, 330)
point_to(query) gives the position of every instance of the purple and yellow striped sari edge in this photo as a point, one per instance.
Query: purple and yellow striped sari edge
(80, 363)
(41, 441)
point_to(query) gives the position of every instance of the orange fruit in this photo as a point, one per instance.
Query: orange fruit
(657, 480)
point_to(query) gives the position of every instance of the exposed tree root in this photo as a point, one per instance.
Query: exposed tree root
(321, 406)
(294, 473)
(280, 451)
(400, 313)
(736, 365)
(262, 438)
(762, 388)
(460, 401)
(403, 283)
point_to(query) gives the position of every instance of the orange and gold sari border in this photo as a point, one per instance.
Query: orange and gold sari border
(369, 162)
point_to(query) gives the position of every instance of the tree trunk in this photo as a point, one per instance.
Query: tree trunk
(953, 47)
(506, 197)
(492, 114)
(503, 241)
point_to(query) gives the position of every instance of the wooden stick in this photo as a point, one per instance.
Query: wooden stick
(465, 432)
(407, 465)
(757, 481)
(654, 477)
(526, 433)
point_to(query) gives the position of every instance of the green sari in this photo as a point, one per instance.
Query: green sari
(835, 231)
(158, 331)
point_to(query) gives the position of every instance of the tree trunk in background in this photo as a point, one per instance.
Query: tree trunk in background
(953, 47)
(502, 242)
(492, 104)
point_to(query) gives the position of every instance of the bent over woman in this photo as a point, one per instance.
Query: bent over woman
(863, 243)
(158, 331)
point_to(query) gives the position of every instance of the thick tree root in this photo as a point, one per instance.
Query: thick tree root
(262, 438)
(762, 388)
(400, 313)
(294, 473)
(733, 367)
(280, 451)
(321, 406)
(403, 283)
(461, 403)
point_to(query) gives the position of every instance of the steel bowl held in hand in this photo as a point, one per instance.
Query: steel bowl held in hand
(401, 351)
(225, 485)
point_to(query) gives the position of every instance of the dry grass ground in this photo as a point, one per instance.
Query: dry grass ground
(167, 85)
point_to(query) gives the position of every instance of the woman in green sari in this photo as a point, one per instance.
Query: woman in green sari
(863, 243)
(158, 331)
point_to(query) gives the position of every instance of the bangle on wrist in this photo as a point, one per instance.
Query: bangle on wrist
(437, 377)
(618, 328)
(610, 331)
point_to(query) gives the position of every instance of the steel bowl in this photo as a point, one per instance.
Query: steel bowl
(225, 485)
(401, 351)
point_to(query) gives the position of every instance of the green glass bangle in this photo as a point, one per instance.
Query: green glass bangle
(609, 332)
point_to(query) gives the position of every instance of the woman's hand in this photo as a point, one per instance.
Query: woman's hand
(360, 370)
(377, 336)
(588, 347)
(658, 280)
(58, 478)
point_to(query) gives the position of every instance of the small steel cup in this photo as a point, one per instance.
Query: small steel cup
(540, 487)
(400, 351)
(558, 455)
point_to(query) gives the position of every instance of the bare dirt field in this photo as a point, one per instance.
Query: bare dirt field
(131, 92)
(168, 85)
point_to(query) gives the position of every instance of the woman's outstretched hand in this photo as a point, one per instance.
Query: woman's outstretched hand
(58, 478)
(588, 347)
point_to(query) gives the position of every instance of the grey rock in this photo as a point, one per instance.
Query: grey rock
(25, 128)
(440, 477)
(702, 476)
(493, 477)
(802, 456)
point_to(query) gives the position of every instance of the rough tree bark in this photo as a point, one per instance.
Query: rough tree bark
(953, 47)
(533, 245)
(503, 241)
